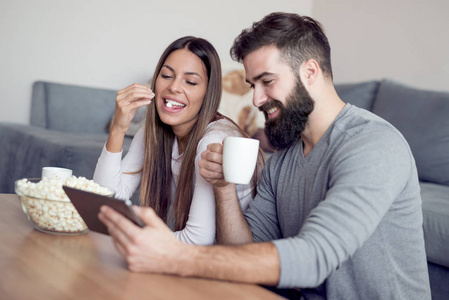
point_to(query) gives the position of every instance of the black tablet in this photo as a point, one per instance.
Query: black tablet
(88, 206)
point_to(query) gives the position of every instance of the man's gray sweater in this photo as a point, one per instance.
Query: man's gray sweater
(346, 219)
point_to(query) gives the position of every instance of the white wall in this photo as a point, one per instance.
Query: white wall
(405, 40)
(108, 44)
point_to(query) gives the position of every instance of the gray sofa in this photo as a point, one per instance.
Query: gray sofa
(68, 129)
(423, 118)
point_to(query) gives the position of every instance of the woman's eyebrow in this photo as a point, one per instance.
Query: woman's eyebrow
(168, 67)
(186, 73)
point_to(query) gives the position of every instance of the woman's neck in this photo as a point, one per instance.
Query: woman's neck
(182, 143)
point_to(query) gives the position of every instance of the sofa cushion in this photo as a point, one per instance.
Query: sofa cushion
(71, 108)
(435, 198)
(359, 94)
(423, 118)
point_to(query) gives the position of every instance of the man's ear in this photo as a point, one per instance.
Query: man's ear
(309, 71)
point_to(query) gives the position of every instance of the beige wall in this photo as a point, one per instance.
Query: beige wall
(107, 43)
(399, 39)
(111, 44)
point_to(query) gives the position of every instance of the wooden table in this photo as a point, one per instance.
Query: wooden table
(36, 265)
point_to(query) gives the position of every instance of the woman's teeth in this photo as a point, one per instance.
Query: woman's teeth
(171, 103)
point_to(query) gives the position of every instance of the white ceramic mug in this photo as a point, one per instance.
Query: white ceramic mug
(239, 159)
(55, 172)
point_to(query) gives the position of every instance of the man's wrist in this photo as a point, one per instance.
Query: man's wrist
(184, 262)
(251, 263)
(225, 190)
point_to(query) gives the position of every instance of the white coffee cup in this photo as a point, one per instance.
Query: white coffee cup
(239, 159)
(55, 172)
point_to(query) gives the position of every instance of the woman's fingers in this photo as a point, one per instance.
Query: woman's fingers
(135, 95)
(134, 92)
(128, 100)
(135, 86)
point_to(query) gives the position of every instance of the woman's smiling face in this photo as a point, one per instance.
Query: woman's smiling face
(180, 89)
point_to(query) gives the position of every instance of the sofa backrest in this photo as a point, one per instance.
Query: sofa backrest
(71, 108)
(423, 118)
(359, 94)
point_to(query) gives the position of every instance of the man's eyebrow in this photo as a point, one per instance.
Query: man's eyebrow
(186, 73)
(258, 77)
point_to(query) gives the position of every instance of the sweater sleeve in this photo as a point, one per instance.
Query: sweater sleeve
(366, 176)
(111, 171)
(200, 227)
(262, 215)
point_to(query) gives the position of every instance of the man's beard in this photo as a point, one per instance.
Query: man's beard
(285, 129)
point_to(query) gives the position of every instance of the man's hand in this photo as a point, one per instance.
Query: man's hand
(152, 249)
(231, 224)
(211, 165)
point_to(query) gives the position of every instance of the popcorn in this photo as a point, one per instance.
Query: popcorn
(48, 206)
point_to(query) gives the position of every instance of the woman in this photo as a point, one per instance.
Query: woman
(181, 120)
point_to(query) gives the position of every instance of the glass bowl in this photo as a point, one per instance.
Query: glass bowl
(53, 213)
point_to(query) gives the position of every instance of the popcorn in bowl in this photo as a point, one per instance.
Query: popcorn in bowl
(48, 207)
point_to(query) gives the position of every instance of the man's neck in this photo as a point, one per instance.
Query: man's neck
(323, 115)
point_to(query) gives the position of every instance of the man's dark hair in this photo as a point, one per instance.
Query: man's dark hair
(299, 38)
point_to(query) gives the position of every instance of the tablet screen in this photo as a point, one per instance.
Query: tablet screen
(88, 206)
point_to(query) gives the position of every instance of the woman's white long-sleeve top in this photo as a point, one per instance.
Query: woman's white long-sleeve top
(200, 228)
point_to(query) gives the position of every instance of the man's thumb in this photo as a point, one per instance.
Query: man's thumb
(149, 216)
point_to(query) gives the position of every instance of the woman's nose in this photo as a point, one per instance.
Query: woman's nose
(175, 86)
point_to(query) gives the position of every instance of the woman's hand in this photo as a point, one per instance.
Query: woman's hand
(128, 100)
(152, 249)
(211, 165)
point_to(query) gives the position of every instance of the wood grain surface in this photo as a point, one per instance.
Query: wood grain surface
(36, 265)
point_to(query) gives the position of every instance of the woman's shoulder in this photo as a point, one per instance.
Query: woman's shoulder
(217, 130)
(223, 126)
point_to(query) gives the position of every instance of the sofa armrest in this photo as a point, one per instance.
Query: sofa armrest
(26, 149)
(38, 105)
(71, 108)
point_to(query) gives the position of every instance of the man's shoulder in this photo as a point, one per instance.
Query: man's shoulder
(361, 135)
(358, 122)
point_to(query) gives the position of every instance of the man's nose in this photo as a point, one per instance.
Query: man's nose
(259, 97)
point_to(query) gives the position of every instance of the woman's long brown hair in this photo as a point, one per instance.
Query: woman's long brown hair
(159, 139)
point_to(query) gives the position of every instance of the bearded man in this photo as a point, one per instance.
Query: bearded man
(338, 210)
